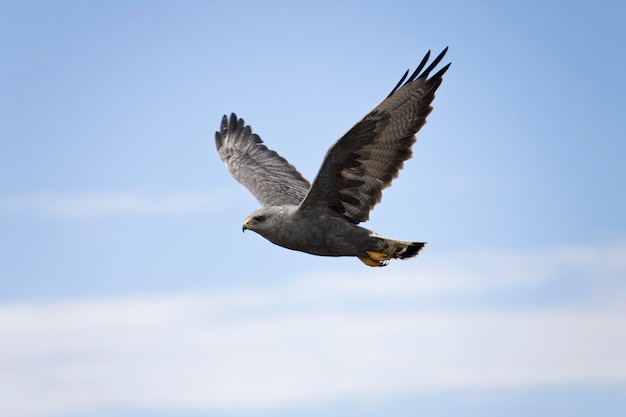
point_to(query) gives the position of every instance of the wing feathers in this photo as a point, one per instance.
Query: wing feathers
(370, 155)
(268, 176)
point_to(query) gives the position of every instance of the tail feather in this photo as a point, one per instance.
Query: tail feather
(411, 249)
(391, 249)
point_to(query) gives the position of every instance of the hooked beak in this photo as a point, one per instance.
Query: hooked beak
(246, 225)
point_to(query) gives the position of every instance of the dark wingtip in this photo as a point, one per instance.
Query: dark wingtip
(218, 140)
(433, 64)
(233, 122)
(225, 127)
(393, 90)
(219, 134)
(418, 73)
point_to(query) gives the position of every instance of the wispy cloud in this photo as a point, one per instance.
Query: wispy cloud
(317, 338)
(105, 204)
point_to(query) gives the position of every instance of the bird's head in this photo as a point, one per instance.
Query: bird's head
(264, 220)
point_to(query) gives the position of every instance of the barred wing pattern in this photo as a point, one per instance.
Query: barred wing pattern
(268, 176)
(369, 156)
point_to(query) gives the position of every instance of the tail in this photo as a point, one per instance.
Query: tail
(390, 249)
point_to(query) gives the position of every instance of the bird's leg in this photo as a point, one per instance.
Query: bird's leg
(374, 258)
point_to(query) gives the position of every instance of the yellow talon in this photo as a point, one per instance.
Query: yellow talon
(374, 258)
(371, 262)
(377, 256)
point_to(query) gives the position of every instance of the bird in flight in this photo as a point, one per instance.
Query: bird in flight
(322, 218)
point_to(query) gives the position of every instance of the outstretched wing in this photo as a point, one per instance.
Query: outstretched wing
(369, 156)
(268, 176)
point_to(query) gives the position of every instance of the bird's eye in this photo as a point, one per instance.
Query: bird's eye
(259, 219)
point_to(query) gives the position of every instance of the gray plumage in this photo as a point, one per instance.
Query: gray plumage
(322, 218)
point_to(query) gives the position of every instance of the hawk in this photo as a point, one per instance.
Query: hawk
(322, 218)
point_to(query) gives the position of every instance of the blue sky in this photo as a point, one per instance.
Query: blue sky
(128, 289)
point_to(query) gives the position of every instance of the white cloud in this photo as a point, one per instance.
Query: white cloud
(315, 339)
(103, 204)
